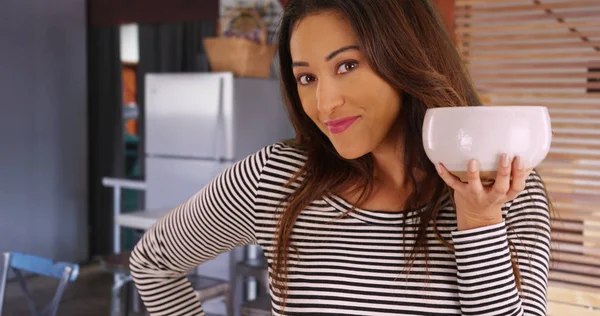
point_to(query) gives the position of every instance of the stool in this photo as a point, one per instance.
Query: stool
(118, 265)
(206, 288)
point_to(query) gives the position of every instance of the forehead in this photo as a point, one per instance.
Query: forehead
(317, 35)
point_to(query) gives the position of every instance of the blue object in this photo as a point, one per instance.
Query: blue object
(19, 262)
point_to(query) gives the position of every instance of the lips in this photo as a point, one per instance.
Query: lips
(340, 125)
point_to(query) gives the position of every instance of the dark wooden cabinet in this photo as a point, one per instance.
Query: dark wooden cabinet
(116, 12)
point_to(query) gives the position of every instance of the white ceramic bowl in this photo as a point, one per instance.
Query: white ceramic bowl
(454, 135)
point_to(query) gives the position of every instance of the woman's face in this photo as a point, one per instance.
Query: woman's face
(339, 91)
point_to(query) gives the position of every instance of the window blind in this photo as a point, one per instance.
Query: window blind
(543, 52)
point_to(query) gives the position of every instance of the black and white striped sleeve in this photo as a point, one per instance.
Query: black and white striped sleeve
(215, 220)
(485, 276)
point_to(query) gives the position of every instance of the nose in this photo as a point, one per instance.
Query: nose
(329, 97)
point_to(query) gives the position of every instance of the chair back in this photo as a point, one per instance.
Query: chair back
(20, 262)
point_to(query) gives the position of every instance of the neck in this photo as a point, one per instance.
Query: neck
(389, 164)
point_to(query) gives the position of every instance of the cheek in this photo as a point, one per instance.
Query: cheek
(388, 101)
(384, 108)
(392, 100)
(309, 104)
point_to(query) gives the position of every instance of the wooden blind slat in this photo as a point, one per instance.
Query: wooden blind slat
(575, 258)
(573, 278)
(465, 10)
(551, 106)
(535, 65)
(541, 85)
(561, 309)
(574, 112)
(568, 206)
(511, 76)
(584, 13)
(569, 97)
(578, 268)
(481, 39)
(571, 177)
(536, 56)
(588, 297)
(551, 46)
(488, 2)
(572, 170)
(574, 216)
(549, 25)
(591, 203)
(571, 188)
(575, 227)
(575, 238)
(578, 144)
(576, 248)
(563, 124)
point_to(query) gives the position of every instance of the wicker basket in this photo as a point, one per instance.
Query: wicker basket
(242, 46)
(240, 56)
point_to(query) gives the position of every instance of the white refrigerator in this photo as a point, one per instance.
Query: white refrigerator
(198, 124)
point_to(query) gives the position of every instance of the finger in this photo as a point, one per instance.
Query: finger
(474, 182)
(450, 179)
(519, 176)
(502, 183)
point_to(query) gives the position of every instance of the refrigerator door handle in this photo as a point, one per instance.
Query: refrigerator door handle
(219, 128)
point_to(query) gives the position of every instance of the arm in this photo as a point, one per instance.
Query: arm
(486, 280)
(215, 220)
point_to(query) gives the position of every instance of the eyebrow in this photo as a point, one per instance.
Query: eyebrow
(329, 57)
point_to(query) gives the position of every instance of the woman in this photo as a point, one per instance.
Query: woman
(351, 215)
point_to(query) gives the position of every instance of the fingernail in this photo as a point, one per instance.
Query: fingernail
(473, 165)
(504, 160)
(520, 164)
(438, 168)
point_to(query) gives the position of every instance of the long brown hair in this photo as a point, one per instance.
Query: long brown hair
(406, 44)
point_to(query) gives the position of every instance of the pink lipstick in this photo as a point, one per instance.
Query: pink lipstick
(340, 125)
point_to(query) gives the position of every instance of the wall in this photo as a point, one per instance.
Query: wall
(43, 140)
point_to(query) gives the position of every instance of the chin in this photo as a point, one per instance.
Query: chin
(350, 151)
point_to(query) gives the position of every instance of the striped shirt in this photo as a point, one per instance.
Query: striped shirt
(352, 265)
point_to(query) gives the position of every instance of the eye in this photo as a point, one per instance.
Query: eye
(346, 67)
(305, 79)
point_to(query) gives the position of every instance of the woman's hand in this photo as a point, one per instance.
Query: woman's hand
(478, 205)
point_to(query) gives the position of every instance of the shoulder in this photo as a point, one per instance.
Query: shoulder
(533, 202)
(283, 157)
(534, 189)
(282, 163)
(285, 152)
